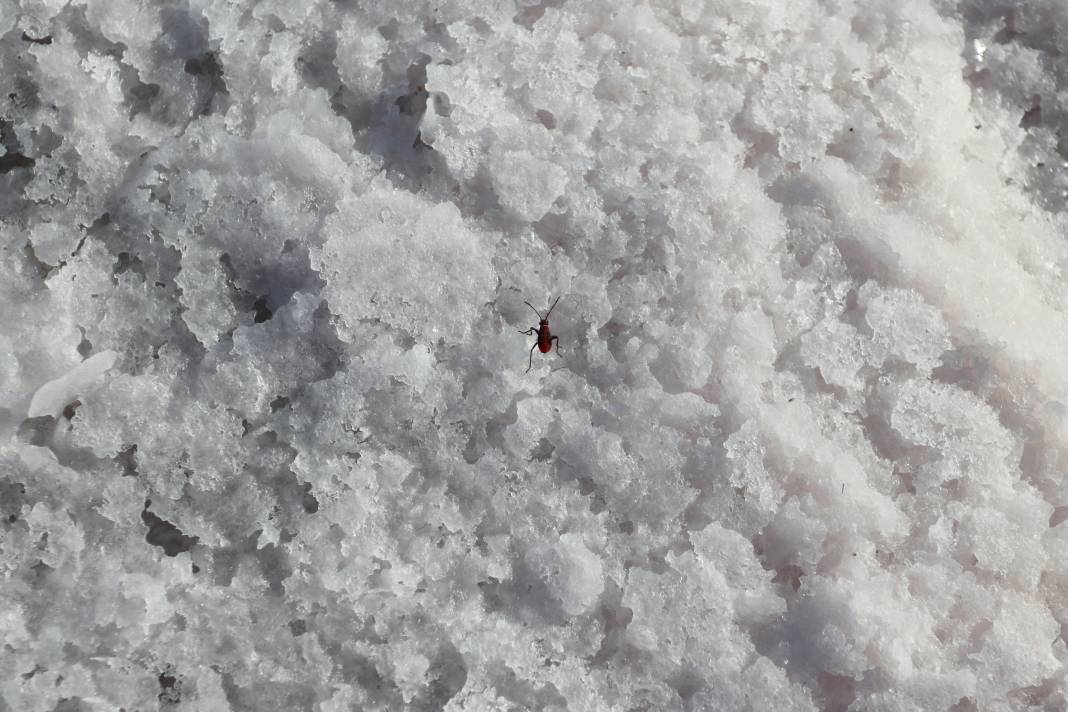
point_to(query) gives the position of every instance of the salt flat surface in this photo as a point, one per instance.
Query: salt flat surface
(267, 438)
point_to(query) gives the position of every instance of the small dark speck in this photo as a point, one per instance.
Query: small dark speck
(978, 126)
(789, 400)
(850, 129)
(13, 518)
(1040, 164)
(196, 569)
(298, 628)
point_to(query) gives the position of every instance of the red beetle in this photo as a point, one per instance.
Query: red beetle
(545, 337)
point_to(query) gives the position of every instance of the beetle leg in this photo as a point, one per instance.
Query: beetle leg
(557, 340)
(529, 331)
(530, 363)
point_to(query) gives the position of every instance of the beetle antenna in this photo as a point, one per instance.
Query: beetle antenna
(536, 311)
(553, 307)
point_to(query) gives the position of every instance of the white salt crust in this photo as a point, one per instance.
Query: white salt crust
(267, 437)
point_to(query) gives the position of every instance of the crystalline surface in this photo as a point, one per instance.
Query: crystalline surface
(268, 441)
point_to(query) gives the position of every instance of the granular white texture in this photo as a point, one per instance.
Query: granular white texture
(268, 438)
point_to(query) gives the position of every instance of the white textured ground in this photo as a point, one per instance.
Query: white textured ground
(266, 437)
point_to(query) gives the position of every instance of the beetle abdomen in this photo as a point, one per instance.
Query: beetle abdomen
(545, 341)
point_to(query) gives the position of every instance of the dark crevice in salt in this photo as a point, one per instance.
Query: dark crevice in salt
(13, 161)
(225, 560)
(268, 286)
(547, 119)
(447, 675)
(614, 617)
(85, 346)
(598, 499)
(127, 459)
(71, 408)
(319, 70)
(1033, 116)
(185, 38)
(93, 230)
(170, 690)
(42, 268)
(1059, 515)
(165, 535)
(350, 665)
(310, 503)
(263, 312)
(789, 575)
(41, 570)
(543, 451)
(386, 123)
(443, 105)
(12, 499)
(36, 669)
(525, 693)
(275, 567)
(26, 94)
(210, 81)
(838, 692)
(1046, 695)
(139, 95)
(389, 30)
(46, 40)
(87, 36)
(414, 102)
(8, 137)
(529, 15)
(272, 560)
(37, 431)
(686, 682)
